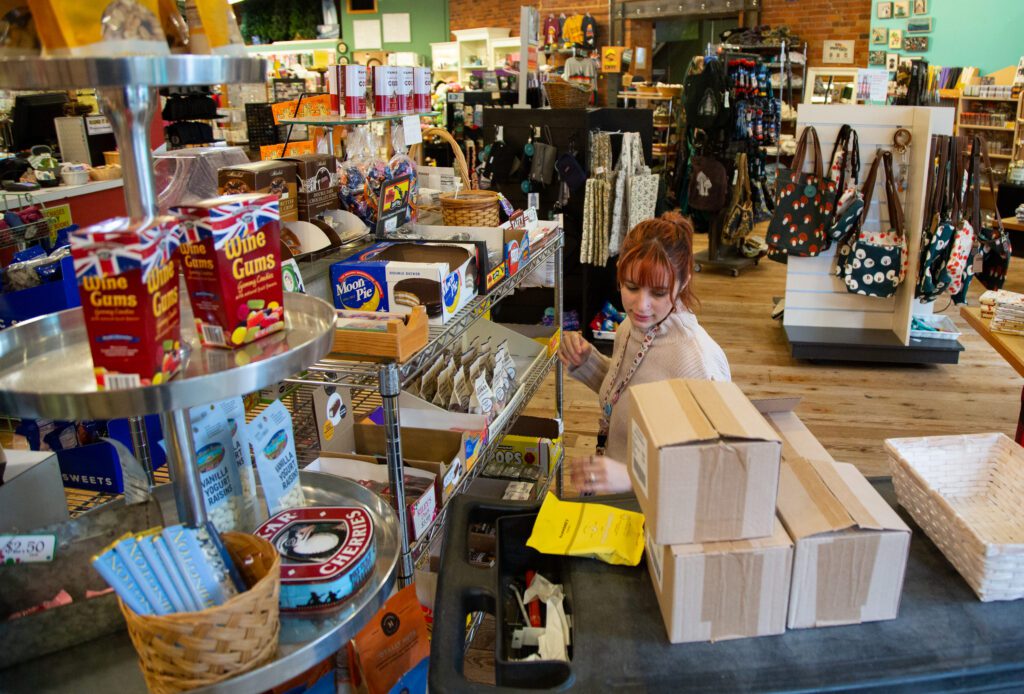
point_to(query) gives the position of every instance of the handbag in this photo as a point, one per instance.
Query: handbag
(709, 184)
(542, 164)
(968, 213)
(803, 212)
(846, 157)
(739, 221)
(996, 250)
(875, 262)
(570, 171)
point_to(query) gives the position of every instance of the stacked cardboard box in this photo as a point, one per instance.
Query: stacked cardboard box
(751, 526)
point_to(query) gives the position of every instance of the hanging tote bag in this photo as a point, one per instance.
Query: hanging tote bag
(938, 232)
(877, 261)
(995, 242)
(968, 213)
(844, 249)
(845, 172)
(739, 221)
(805, 206)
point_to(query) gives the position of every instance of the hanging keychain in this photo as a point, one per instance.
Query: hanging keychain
(901, 143)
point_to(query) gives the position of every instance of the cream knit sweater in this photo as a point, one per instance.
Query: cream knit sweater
(682, 349)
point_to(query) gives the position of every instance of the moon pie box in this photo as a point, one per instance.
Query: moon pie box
(327, 552)
(231, 257)
(128, 282)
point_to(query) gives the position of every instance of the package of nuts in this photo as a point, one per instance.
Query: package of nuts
(104, 28)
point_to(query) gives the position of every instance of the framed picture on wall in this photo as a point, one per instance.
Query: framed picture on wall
(880, 35)
(901, 8)
(361, 6)
(876, 58)
(892, 61)
(915, 44)
(919, 25)
(908, 60)
(920, 6)
(896, 39)
(884, 10)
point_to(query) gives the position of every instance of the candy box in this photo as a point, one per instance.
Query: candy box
(128, 282)
(276, 177)
(316, 177)
(232, 261)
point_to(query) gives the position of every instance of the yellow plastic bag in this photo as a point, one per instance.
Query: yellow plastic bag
(103, 28)
(598, 531)
(213, 28)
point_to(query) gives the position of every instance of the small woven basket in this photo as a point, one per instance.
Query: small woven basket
(966, 493)
(471, 208)
(187, 650)
(562, 94)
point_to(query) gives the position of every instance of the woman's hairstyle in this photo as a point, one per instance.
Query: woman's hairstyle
(659, 253)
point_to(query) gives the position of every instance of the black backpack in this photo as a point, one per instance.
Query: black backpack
(707, 100)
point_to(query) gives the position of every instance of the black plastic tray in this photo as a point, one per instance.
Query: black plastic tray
(943, 640)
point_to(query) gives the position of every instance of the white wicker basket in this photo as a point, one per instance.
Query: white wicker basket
(967, 493)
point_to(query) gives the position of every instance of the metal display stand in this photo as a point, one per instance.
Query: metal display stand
(46, 371)
(389, 379)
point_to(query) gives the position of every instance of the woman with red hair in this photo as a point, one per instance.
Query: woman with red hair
(660, 339)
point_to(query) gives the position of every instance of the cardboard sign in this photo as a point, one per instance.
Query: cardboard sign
(57, 217)
(394, 204)
(611, 58)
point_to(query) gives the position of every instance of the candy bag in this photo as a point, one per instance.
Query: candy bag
(117, 27)
(613, 535)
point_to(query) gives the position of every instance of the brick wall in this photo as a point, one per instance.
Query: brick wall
(815, 21)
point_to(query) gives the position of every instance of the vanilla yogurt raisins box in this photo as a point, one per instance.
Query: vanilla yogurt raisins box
(397, 277)
(231, 257)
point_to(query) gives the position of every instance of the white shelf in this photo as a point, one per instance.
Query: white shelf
(993, 128)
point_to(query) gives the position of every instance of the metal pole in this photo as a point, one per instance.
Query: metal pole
(140, 443)
(181, 461)
(130, 110)
(390, 389)
(558, 363)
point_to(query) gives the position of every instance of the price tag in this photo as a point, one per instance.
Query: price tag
(57, 217)
(22, 549)
(456, 97)
(98, 125)
(413, 133)
(495, 96)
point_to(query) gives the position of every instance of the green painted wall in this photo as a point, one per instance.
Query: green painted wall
(428, 23)
(986, 34)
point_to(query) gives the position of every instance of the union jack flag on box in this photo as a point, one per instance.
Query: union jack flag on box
(118, 245)
(227, 217)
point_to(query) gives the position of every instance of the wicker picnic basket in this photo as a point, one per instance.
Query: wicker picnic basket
(187, 650)
(562, 94)
(471, 208)
(967, 493)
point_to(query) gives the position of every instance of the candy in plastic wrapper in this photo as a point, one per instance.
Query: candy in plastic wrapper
(218, 471)
(115, 572)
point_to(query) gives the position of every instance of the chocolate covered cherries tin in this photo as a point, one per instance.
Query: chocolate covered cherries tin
(326, 554)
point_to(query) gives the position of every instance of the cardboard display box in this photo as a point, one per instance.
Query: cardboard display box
(531, 443)
(438, 452)
(420, 508)
(704, 462)
(501, 249)
(722, 590)
(274, 177)
(398, 276)
(316, 181)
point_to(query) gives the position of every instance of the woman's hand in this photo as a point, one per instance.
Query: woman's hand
(573, 350)
(597, 474)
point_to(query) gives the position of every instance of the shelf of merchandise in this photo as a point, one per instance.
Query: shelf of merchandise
(671, 151)
(993, 128)
(330, 121)
(293, 47)
(389, 379)
(1001, 99)
(46, 371)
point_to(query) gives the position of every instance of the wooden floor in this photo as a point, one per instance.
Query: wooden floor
(851, 408)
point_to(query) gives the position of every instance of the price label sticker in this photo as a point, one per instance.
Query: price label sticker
(413, 134)
(22, 549)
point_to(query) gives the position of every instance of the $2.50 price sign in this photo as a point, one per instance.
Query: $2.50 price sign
(19, 549)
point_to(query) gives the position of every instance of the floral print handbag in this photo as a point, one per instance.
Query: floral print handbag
(875, 263)
(804, 211)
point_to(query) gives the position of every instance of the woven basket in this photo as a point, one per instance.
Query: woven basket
(471, 208)
(183, 651)
(562, 94)
(966, 492)
(461, 166)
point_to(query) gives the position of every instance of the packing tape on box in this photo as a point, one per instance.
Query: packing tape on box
(845, 561)
(731, 603)
(717, 509)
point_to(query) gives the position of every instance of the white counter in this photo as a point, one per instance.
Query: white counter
(61, 192)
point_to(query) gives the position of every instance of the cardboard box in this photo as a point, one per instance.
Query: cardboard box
(316, 180)
(503, 249)
(398, 276)
(275, 177)
(438, 452)
(420, 508)
(532, 443)
(722, 590)
(704, 462)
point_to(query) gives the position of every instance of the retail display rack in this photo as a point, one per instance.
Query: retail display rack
(665, 126)
(46, 367)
